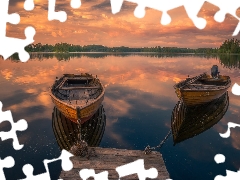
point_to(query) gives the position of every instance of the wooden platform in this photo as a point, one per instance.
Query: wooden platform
(107, 159)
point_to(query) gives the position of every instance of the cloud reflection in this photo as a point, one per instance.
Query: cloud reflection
(148, 80)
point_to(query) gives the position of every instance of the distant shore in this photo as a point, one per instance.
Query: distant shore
(92, 52)
(231, 46)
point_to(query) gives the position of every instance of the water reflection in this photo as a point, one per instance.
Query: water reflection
(66, 132)
(101, 55)
(188, 122)
(139, 101)
(230, 61)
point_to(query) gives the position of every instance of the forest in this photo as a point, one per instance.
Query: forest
(230, 46)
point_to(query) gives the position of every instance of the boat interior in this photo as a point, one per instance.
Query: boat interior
(204, 81)
(219, 81)
(77, 90)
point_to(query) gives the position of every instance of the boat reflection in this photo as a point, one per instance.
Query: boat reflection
(66, 132)
(187, 122)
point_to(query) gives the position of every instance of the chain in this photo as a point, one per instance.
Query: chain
(149, 149)
(80, 148)
(79, 125)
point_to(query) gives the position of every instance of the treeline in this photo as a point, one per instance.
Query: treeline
(228, 46)
(65, 48)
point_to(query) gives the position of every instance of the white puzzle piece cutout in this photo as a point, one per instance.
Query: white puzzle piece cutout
(227, 7)
(8, 45)
(219, 158)
(53, 15)
(230, 125)
(7, 162)
(21, 125)
(60, 15)
(75, 4)
(66, 166)
(230, 175)
(160, 5)
(192, 9)
(137, 167)
(29, 5)
(236, 89)
(87, 173)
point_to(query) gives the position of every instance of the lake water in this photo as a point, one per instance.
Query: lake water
(139, 100)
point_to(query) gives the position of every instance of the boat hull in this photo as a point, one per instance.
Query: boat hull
(77, 91)
(192, 97)
(201, 89)
(71, 113)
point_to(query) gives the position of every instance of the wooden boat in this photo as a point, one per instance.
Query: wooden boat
(72, 92)
(202, 89)
(66, 131)
(187, 122)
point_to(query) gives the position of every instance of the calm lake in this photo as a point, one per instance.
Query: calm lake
(139, 100)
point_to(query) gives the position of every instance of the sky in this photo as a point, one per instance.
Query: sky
(94, 23)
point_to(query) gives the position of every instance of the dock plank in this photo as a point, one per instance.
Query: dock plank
(107, 159)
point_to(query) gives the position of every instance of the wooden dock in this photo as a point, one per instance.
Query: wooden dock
(108, 159)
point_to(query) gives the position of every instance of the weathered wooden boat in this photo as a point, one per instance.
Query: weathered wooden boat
(72, 92)
(202, 89)
(187, 122)
(66, 132)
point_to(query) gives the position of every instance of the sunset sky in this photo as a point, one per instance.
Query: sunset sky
(94, 23)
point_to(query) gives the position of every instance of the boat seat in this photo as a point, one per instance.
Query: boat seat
(202, 85)
(80, 87)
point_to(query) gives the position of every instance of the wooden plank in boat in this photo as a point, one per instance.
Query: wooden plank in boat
(60, 84)
(206, 85)
(73, 78)
(110, 158)
(80, 87)
(203, 88)
(80, 78)
(188, 81)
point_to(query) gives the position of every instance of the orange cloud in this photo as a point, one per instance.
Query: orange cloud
(93, 23)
